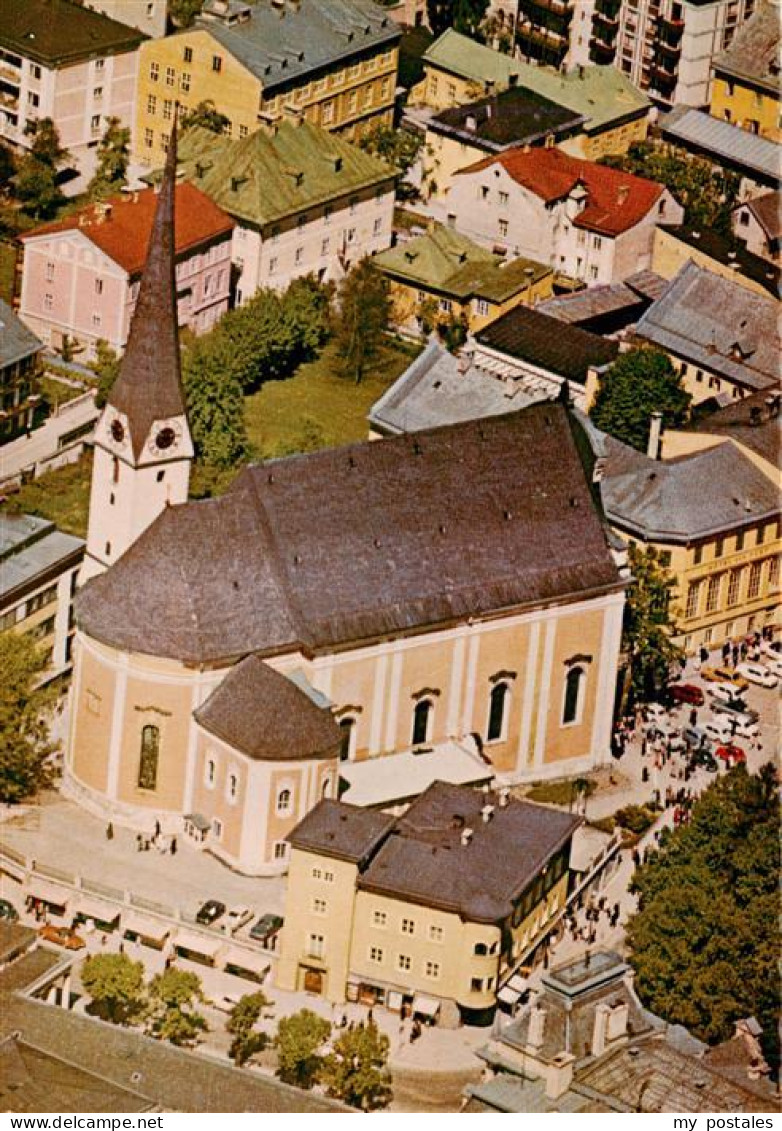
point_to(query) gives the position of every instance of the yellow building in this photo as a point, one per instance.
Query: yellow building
(442, 277)
(711, 509)
(673, 248)
(459, 70)
(745, 87)
(425, 913)
(335, 64)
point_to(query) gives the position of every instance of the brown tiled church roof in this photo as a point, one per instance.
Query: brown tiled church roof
(362, 542)
(266, 716)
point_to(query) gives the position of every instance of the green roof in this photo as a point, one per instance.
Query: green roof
(59, 33)
(602, 94)
(445, 261)
(270, 175)
(470, 60)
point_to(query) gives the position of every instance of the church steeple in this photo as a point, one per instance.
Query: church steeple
(143, 448)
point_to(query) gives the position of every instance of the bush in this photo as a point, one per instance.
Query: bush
(635, 818)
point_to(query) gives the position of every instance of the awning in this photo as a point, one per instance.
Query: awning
(199, 821)
(198, 944)
(507, 996)
(394, 1000)
(247, 959)
(147, 928)
(49, 893)
(101, 910)
(428, 1006)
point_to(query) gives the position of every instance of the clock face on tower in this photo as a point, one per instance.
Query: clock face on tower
(164, 438)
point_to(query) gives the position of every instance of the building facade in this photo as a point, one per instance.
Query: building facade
(305, 202)
(148, 16)
(337, 64)
(19, 364)
(81, 275)
(745, 88)
(417, 912)
(62, 61)
(758, 224)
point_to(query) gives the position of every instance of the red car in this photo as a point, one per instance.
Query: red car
(731, 754)
(686, 693)
(62, 936)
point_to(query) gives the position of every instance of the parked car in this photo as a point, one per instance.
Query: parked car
(758, 673)
(773, 663)
(62, 936)
(725, 675)
(771, 648)
(235, 919)
(696, 738)
(265, 931)
(686, 693)
(745, 727)
(8, 911)
(718, 729)
(726, 693)
(704, 758)
(732, 755)
(210, 912)
(654, 712)
(749, 714)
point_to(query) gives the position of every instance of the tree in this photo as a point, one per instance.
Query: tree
(7, 169)
(355, 1070)
(116, 986)
(36, 177)
(465, 16)
(299, 1037)
(106, 368)
(241, 1022)
(182, 13)
(400, 148)
(704, 941)
(648, 629)
(215, 403)
(24, 733)
(113, 159)
(307, 307)
(364, 309)
(207, 115)
(706, 193)
(640, 382)
(172, 1015)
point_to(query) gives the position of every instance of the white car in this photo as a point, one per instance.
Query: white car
(746, 728)
(773, 664)
(758, 673)
(725, 693)
(718, 729)
(655, 712)
(235, 919)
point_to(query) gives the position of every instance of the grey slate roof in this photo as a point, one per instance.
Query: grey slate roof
(29, 548)
(753, 55)
(281, 46)
(682, 500)
(727, 144)
(149, 384)
(268, 717)
(351, 544)
(719, 325)
(16, 341)
(434, 390)
(513, 117)
(594, 304)
(543, 341)
(749, 422)
(347, 832)
(767, 210)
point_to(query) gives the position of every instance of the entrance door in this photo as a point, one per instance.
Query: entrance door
(313, 981)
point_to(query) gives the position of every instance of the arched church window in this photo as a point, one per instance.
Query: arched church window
(422, 721)
(574, 686)
(150, 751)
(284, 801)
(348, 728)
(498, 703)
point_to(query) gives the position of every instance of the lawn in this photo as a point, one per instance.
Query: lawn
(62, 496)
(558, 792)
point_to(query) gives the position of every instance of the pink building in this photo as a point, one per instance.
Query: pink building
(81, 275)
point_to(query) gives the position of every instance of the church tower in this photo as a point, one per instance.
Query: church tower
(143, 447)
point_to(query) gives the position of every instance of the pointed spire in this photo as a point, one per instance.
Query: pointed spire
(149, 385)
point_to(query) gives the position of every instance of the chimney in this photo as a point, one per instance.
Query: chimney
(559, 1075)
(537, 1028)
(471, 123)
(617, 1021)
(624, 192)
(504, 797)
(487, 812)
(653, 447)
(466, 837)
(600, 1029)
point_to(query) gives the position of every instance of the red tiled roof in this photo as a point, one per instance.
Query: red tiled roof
(124, 234)
(616, 201)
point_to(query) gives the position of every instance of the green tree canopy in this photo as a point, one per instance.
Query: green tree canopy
(105, 367)
(24, 731)
(465, 16)
(240, 1024)
(704, 942)
(364, 309)
(207, 115)
(649, 625)
(640, 382)
(356, 1072)
(36, 176)
(116, 986)
(172, 1014)
(400, 148)
(215, 403)
(182, 13)
(113, 159)
(298, 1040)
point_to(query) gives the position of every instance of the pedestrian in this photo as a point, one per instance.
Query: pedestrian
(139, 842)
(158, 829)
(735, 654)
(109, 831)
(694, 717)
(173, 846)
(704, 654)
(636, 858)
(726, 652)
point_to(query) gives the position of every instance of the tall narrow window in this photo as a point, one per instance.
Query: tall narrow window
(150, 750)
(574, 684)
(498, 702)
(284, 801)
(422, 718)
(347, 726)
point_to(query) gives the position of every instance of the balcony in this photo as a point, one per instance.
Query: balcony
(670, 50)
(600, 52)
(673, 27)
(663, 79)
(10, 74)
(562, 8)
(608, 8)
(9, 101)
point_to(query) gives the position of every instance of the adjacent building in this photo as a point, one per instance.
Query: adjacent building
(148, 16)
(336, 63)
(718, 254)
(442, 277)
(39, 565)
(745, 88)
(758, 224)
(458, 70)
(82, 274)
(20, 352)
(62, 61)
(610, 309)
(754, 158)
(592, 224)
(305, 201)
(426, 912)
(721, 337)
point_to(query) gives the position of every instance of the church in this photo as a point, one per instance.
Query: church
(356, 622)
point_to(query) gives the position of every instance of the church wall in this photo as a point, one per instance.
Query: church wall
(91, 719)
(165, 706)
(576, 636)
(216, 796)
